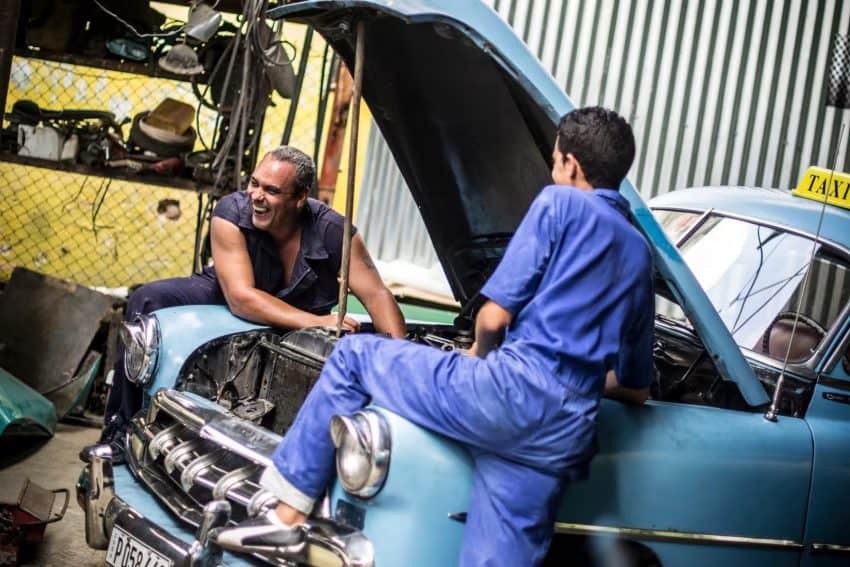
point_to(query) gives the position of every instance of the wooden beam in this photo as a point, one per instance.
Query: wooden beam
(10, 12)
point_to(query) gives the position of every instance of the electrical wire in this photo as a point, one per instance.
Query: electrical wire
(130, 27)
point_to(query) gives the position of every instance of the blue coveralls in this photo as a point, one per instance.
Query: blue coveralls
(577, 278)
(313, 286)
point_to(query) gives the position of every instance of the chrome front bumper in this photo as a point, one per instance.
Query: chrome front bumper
(104, 510)
(181, 479)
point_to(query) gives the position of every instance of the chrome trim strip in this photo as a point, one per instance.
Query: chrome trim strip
(693, 228)
(246, 439)
(754, 220)
(830, 548)
(214, 423)
(838, 353)
(670, 536)
(834, 383)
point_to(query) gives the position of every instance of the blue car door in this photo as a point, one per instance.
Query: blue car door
(697, 485)
(827, 535)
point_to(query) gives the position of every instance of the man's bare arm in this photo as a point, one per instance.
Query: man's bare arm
(365, 282)
(614, 390)
(490, 325)
(236, 277)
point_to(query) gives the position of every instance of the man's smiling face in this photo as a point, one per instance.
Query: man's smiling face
(275, 201)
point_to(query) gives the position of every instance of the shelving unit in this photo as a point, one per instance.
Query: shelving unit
(150, 69)
(116, 173)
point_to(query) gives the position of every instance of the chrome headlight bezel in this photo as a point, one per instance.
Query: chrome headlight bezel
(141, 339)
(364, 445)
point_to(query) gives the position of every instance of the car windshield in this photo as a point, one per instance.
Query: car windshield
(753, 275)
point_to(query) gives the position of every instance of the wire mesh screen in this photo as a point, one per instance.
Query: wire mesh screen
(84, 224)
(838, 77)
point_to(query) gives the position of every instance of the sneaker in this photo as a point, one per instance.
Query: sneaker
(266, 535)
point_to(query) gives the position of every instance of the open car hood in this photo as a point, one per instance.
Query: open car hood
(470, 117)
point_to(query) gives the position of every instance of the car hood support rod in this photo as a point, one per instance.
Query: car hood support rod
(352, 170)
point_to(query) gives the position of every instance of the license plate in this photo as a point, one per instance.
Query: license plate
(127, 551)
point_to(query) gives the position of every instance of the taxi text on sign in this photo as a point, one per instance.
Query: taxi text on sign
(823, 184)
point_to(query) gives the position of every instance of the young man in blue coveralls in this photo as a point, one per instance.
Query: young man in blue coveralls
(277, 255)
(570, 307)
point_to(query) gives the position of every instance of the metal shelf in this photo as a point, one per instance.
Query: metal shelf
(144, 178)
(150, 69)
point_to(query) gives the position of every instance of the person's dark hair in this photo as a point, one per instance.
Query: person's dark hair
(305, 169)
(602, 142)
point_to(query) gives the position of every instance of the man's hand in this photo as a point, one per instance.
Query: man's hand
(330, 321)
(615, 391)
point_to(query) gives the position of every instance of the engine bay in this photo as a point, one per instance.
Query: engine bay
(265, 375)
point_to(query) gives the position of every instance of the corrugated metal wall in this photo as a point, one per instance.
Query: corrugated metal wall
(717, 92)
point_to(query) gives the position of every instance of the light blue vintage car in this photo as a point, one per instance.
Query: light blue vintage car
(740, 458)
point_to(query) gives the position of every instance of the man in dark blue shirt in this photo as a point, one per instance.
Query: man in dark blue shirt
(277, 255)
(570, 304)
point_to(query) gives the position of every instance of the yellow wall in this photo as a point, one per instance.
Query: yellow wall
(47, 218)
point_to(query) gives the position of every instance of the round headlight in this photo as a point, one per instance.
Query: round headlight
(363, 451)
(141, 348)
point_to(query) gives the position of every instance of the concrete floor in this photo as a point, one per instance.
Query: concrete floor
(56, 465)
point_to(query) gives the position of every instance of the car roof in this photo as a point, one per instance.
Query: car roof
(771, 206)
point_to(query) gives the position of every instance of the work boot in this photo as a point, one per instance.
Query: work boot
(264, 534)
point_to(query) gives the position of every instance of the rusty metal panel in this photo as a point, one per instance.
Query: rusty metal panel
(46, 327)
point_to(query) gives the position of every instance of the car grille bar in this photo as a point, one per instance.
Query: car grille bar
(190, 451)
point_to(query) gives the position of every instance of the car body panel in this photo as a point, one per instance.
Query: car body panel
(24, 411)
(662, 467)
(400, 520)
(182, 330)
(670, 467)
(829, 505)
(772, 206)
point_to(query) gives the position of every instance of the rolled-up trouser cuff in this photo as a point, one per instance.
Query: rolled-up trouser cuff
(283, 490)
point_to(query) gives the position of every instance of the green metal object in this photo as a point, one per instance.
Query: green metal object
(23, 411)
(411, 312)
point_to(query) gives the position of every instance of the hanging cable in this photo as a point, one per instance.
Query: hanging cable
(130, 27)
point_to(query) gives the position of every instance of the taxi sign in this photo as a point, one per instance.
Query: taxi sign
(825, 185)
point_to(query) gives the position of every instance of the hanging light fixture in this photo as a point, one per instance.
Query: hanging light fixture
(202, 25)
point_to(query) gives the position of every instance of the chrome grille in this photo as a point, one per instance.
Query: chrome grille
(189, 451)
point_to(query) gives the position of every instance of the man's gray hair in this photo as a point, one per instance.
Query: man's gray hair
(305, 169)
